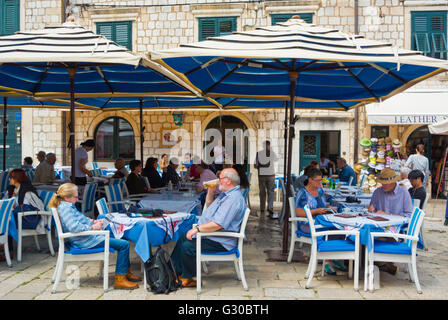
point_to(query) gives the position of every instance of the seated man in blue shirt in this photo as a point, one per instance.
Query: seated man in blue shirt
(345, 171)
(225, 213)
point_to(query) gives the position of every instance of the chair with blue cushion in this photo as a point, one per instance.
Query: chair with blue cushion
(97, 172)
(398, 252)
(102, 206)
(5, 216)
(296, 234)
(324, 249)
(30, 173)
(46, 216)
(95, 165)
(46, 197)
(88, 200)
(235, 255)
(249, 177)
(114, 197)
(70, 254)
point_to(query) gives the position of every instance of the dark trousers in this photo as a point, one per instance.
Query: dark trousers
(184, 254)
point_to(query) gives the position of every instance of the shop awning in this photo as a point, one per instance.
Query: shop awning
(423, 106)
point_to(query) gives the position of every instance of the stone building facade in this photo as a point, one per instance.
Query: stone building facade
(161, 24)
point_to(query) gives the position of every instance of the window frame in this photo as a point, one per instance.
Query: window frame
(373, 128)
(116, 132)
(114, 24)
(287, 16)
(428, 34)
(216, 21)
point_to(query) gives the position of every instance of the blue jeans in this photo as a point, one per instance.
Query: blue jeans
(122, 247)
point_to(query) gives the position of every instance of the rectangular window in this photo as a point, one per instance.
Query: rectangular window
(379, 131)
(277, 18)
(120, 32)
(429, 33)
(9, 16)
(215, 27)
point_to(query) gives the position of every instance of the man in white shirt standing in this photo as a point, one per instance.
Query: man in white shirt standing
(219, 154)
(264, 162)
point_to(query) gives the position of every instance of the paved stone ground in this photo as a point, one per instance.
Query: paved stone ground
(31, 279)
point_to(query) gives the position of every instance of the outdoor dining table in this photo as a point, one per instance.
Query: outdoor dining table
(149, 232)
(181, 201)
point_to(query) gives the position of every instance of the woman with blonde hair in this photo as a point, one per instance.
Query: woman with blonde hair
(72, 220)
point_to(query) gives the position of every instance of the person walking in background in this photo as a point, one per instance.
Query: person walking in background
(418, 161)
(81, 158)
(264, 162)
(219, 154)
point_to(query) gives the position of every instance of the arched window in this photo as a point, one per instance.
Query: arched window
(114, 139)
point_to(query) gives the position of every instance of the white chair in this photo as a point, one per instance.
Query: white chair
(46, 216)
(88, 199)
(146, 181)
(127, 195)
(350, 181)
(5, 216)
(95, 165)
(423, 221)
(398, 252)
(331, 249)
(102, 206)
(235, 255)
(69, 254)
(114, 196)
(294, 219)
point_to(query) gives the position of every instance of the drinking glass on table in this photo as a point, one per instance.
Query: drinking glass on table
(127, 205)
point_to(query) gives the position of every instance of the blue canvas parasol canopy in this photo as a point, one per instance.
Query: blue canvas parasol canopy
(67, 61)
(299, 63)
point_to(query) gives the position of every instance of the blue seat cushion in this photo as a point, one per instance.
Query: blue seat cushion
(335, 245)
(76, 251)
(392, 247)
(223, 253)
(300, 233)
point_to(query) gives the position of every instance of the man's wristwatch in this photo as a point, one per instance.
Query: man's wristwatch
(197, 228)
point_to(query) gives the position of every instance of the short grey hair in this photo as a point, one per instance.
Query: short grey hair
(233, 176)
(405, 170)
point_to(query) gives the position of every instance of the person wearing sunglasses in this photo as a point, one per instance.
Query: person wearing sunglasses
(313, 195)
(224, 213)
(72, 220)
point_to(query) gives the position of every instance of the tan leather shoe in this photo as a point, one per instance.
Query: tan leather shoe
(133, 277)
(121, 282)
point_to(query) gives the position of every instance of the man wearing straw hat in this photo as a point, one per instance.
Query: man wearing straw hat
(390, 198)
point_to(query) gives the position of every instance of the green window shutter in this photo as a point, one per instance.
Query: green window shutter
(9, 16)
(215, 27)
(278, 18)
(429, 33)
(119, 32)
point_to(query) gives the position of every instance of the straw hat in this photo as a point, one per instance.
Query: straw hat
(387, 176)
(380, 160)
(388, 140)
(357, 167)
(381, 142)
(396, 143)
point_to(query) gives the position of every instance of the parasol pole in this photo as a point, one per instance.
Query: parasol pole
(293, 76)
(142, 130)
(5, 132)
(72, 71)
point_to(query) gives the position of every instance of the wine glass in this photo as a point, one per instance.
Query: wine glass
(127, 205)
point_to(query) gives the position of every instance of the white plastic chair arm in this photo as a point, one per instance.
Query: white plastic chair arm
(220, 234)
(303, 219)
(337, 232)
(138, 195)
(85, 233)
(33, 213)
(392, 235)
